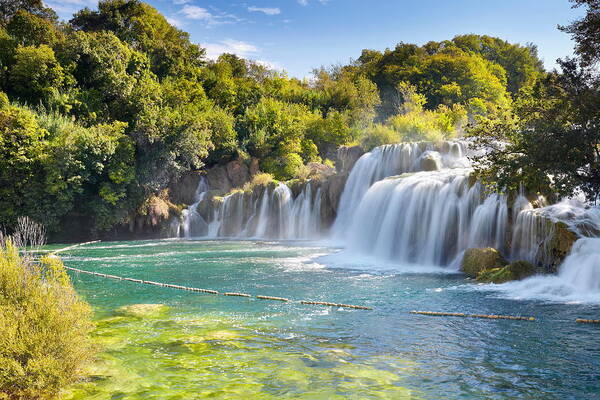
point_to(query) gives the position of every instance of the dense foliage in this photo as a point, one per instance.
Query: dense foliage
(550, 141)
(44, 327)
(103, 112)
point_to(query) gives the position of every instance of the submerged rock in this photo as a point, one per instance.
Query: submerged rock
(142, 310)
(512, 272)
(476, 261)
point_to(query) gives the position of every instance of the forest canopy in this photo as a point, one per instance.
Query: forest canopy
(100, 113)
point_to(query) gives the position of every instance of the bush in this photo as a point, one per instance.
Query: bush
(378, 135)
(44, 327)
(261, 179)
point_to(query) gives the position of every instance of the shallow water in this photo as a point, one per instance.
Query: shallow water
(206, 346)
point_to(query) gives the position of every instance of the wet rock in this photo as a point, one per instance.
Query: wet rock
(430, 161)
(559, 245)
(479, 259)
(218, 179)
(512, 272)
(238, 173)
(184, 190)
(347, 157)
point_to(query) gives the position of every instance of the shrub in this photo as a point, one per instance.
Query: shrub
(378, 135)
(44, 327)
(261, 179)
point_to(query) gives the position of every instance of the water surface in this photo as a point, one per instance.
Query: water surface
(206, 346)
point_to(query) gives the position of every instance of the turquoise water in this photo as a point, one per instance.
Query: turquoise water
(206, 346)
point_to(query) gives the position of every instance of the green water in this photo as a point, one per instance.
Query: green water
(195, 346)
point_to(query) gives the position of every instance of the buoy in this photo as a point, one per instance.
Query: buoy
(236, 294)
(326, 303)
(193, 289)
(588, 321)
(272, 298)
(447, 314)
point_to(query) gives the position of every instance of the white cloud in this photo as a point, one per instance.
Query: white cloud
(265, 10)
(237, 47)
(179, 2)
(202, 14)
(270, 65)
(175, 22)
(66, 8)
(195, 12)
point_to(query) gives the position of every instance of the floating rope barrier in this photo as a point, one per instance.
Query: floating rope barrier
(588, 321)
(447, 314)
(237, 294)
(326, 303)
(73, 246)
(272, 298)
(209, 291)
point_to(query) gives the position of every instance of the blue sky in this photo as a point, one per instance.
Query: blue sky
(299, 35)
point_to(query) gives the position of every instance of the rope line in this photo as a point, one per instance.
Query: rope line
(307, 302)
(447, 314)
(209, 291)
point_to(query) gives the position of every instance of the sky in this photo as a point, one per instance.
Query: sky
(300, 35)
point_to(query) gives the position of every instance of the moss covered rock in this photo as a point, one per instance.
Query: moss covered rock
(512, 272)
(142, 310)
(477, 260)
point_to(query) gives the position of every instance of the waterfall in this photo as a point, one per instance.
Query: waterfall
(426, 218)
(389, 160)
(578, 278)
(269, 212)
(193, 224)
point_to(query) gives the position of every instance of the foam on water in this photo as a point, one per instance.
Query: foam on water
(577, 281)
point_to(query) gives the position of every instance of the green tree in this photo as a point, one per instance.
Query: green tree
(147, 31)
(36, 74)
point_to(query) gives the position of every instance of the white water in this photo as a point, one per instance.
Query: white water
(389, 160)
(270, 213)
(577, 281)
(193, 224)
(426, 218)
(393, 213)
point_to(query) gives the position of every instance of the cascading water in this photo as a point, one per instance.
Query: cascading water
(578, 278)
(268, 213)
(426, 218)
(410, 203)
(389, 160)
(193, 225)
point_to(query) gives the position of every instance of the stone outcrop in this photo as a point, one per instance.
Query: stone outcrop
(153, 217)
(346, 157)
(429, 162)
(237, 172)
(559, 245)
(232, 175)
(477, 260)
(514, 271)
(184, 190)
(319, 171)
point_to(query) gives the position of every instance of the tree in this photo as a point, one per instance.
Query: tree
(551, 144)
(586, 32)
(147, 31)
(28, 29)
(8, 8)
(35, 74)
(22, 147)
